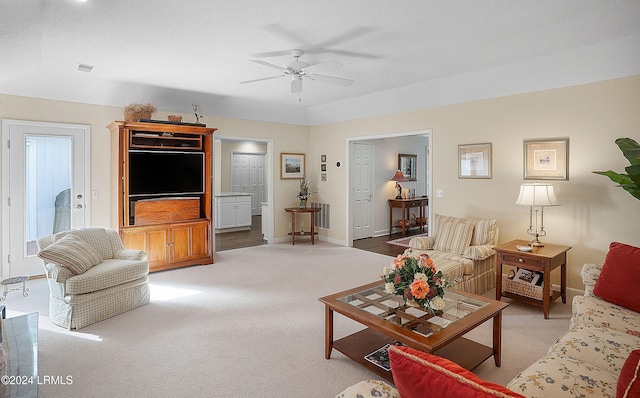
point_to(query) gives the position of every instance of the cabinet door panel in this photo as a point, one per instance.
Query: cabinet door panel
(181, 242)
(243, 214)
(152, 241)
(200, 240)
(190, 241)
(157, 252)
(135, 240)
(227, 215)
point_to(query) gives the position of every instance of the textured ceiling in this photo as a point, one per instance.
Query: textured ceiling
(174, 54)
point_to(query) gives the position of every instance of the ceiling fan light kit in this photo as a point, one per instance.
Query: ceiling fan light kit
(297, 70)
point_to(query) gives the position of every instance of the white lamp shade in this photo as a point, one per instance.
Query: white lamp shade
(537, 195)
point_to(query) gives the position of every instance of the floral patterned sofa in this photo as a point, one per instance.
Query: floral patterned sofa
(462, 248)
(589, 358)
(599, 356)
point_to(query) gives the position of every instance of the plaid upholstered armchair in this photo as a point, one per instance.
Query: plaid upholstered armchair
(91, 276)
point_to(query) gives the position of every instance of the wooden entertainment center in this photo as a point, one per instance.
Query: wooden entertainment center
(164, 188)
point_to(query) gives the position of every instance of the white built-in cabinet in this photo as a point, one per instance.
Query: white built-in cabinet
(233, 211)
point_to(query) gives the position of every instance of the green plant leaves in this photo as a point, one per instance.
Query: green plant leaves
(630, 182)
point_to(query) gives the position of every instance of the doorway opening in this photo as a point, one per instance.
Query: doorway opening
(373, 161)
(243, 173)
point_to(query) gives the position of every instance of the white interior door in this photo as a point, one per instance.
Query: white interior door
(257, 183)
(362, 189)
(45, 177)
(248, 174)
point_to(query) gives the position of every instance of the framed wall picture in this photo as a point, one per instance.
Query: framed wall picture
(323, 167)
(407, 164)
(546, 159)
(291, 165)
(323, 158)
(474, 160)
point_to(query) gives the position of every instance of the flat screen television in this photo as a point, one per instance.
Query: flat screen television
(155, 173)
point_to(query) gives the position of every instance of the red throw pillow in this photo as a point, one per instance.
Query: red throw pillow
(417, 374)
(620, 276)
(629, 379)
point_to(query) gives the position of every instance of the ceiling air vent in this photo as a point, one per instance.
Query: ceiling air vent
(85, 68)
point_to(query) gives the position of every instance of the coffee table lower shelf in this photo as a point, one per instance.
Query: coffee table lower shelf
(466, 353)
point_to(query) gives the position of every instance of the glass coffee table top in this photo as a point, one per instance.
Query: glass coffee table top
(392, 308)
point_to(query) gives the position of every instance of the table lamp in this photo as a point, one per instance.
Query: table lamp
(399, 177)
(537, 196)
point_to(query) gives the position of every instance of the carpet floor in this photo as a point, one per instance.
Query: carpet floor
(248, 325)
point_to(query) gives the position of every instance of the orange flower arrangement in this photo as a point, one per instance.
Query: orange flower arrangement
(416, 280)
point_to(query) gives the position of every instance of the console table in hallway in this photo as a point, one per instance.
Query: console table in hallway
(295, 210)
(405, 205)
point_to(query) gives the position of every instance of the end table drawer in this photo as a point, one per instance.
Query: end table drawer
(522, 261)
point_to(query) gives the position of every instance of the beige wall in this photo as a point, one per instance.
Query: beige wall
(284, 138)
(593, 212)
(24, 108)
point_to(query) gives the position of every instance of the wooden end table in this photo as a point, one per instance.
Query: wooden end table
(542, 259)
(295, 210)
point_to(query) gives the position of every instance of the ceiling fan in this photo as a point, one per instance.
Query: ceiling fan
(298, 70)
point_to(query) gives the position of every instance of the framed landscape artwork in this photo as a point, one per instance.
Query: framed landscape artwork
(546, 159)
(474, 161)
(291, 165)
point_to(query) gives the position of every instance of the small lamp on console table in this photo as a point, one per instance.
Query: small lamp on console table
(537, 196)
(399, 177)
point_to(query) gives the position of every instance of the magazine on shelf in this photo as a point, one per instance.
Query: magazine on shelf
(524, 275)
(380, 357)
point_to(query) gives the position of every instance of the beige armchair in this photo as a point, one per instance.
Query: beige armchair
(463, 249)
(91, 276)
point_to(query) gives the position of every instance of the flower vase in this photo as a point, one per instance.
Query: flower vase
(303, 203)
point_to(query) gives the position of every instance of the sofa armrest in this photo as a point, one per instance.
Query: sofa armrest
(130, 254)
(368, 389)
(590, 274)
(479, 252)
(57, 272)
(422, 243)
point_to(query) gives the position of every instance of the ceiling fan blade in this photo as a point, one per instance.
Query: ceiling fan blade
(264, 78)
(271, 54)
(325, 63)
(331, 79)
(257, 61)
(296, 84)
(352, 34)
(352, 54)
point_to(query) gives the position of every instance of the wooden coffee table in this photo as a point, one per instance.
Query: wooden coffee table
(389, 321)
